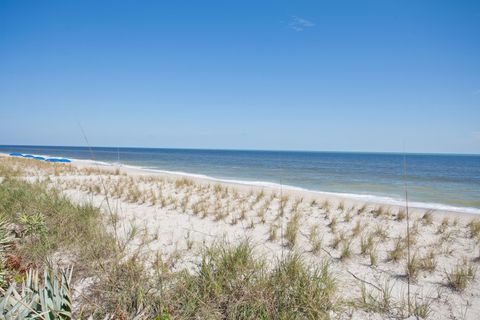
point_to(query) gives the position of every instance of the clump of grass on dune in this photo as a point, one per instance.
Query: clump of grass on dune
(428, 217)
(231, 283)
(282, 205)
(366, 243)
(325, 205)
(429, 261)
(380, 232)
(401, 215)
(315, 240)
(413, 267)
(347, 217)
(262, 212)
(124, 289)
(442, 228)
(292, 229)
(379, 211)
(185, 182)
(333, 224)
(337, 239)
(357, 228)
(474, 228)
(346, 251)
(461, 275)
(397, 252)
(341, 206)
(380, 299)
(362, 209)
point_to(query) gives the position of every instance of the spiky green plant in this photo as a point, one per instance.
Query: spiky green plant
(34, 224)
(5, 240)
(43, 298)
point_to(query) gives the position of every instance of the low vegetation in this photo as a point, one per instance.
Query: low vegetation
(315, 244)
(229, 283)
(291, 231)
(461, 275)
(397, 252)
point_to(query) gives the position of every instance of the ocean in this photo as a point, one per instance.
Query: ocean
(437, 181)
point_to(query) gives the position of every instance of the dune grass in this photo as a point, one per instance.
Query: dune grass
(382, 300)
(397, 252)
(366, 243)
(428, 217)
(461, 275)
(47, 222)
(291, 231)
(230, 282)
(474, 227)
(223, 280)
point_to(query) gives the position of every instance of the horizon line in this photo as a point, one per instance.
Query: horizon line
(248, 150)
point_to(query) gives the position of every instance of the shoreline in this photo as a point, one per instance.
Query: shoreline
(337, 197)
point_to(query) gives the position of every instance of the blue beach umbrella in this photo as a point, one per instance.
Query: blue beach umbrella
(28, 156)
(38, 158)
(15, 154)
(58, 160)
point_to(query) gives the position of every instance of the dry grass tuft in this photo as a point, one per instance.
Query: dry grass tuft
(362, 209)
(443, 226)
(413, 267)
(291, 232)
(366, 243)
(429, 261)
(357, 228)
(397, 252)
(380, 232)
(474, 228)
(348, 217)
(401, 215)
(337, 240)
(315, 240)
(379, 212)
(461, 275)
(428, 217)
(333, 224)
(346, 251)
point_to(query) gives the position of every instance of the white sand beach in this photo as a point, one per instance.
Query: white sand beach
(176, 216)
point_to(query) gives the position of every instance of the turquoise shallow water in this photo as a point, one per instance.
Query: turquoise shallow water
(452, 180)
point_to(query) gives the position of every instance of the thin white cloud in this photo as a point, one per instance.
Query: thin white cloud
(299, 24)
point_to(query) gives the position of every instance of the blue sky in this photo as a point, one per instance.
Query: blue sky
(294, 75)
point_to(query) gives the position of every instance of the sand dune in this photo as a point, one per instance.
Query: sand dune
(365, 242)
